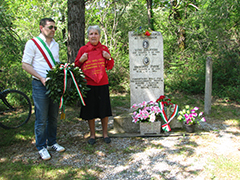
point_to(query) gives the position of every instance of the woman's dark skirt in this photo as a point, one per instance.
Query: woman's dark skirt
(97, 102)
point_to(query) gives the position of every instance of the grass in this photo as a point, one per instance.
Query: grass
(21, 170)
(225, 168)
(223, 112)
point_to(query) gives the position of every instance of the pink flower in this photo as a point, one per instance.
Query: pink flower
(186, 116)
(196, 108)
(194, 114)
(203, 119)
(134, 106)
(192, 111)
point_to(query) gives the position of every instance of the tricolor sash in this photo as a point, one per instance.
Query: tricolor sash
(166, 126)
(61, 105)
(65, 70)
(47, 54)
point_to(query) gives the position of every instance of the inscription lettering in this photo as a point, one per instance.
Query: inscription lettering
(146, 52)
(143, 68)
(146, 83)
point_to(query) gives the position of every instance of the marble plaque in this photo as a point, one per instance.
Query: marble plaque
(146, 67)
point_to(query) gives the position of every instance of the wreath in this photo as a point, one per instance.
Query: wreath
(65, 83)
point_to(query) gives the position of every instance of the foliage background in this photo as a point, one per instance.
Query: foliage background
(192, 31)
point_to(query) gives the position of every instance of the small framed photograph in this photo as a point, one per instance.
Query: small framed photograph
(145, 44)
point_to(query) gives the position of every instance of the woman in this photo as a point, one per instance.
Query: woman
(93, 59)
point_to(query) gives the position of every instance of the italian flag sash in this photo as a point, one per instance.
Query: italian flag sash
(166, 126)
(47, 54)
(65, 70)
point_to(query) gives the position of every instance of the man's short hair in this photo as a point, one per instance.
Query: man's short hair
(43, 21)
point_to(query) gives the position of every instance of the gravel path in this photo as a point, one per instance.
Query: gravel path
(174, 157)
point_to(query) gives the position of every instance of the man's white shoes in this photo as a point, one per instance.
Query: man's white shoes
(44, 154)
(56, 147)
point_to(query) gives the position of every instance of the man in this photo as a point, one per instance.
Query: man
(40, 54)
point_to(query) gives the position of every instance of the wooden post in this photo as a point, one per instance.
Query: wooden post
(208, 86)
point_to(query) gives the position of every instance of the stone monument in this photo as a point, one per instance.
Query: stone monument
(146, 76)
(146, 67)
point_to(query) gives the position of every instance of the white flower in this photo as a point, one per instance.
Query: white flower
(152, 117)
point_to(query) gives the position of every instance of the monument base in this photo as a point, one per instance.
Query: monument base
(175, 124)
(150, 128)
(124, 124)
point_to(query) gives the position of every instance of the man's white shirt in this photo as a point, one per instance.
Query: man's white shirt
(34, 57)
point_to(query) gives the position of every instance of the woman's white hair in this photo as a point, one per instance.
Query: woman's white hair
(95, 27)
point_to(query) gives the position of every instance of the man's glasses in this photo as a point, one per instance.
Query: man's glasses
(50, 27)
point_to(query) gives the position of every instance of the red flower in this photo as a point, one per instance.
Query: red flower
(170, 104)
(147, 33)
(164, 102)
(160, 98)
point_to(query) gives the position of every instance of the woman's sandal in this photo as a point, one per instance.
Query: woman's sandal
(107, 140)
(92, 141)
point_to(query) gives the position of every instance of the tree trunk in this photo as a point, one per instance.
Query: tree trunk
(150, 14)
(177, 17)
(76, 27)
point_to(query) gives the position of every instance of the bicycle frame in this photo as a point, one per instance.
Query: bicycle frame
(2, 97)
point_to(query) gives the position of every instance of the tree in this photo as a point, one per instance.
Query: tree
(76, 27)
(191, 29)
(150, 14)
(11, 44)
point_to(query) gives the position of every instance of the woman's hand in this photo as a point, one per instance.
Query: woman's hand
(106, 55)
(84, 58)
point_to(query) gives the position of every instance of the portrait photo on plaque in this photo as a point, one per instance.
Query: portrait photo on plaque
(146, 61)
(145, 44)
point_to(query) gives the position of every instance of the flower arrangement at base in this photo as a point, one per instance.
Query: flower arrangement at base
(66, 84)
(142, 31)
(145, 112)
(190, 116)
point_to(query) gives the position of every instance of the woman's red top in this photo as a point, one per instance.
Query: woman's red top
(89, 48)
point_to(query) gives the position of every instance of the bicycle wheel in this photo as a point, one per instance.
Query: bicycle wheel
(17, 109)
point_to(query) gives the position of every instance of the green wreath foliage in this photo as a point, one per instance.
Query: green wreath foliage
(55, 84)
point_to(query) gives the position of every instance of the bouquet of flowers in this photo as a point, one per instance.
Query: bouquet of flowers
(169, 111)
(166, 101)
(190, 116)
(145, 112)
(142, 31)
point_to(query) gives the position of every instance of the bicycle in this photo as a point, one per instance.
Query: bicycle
(15, 108)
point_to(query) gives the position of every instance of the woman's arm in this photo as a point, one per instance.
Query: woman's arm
(109, 59)
(81, 58)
